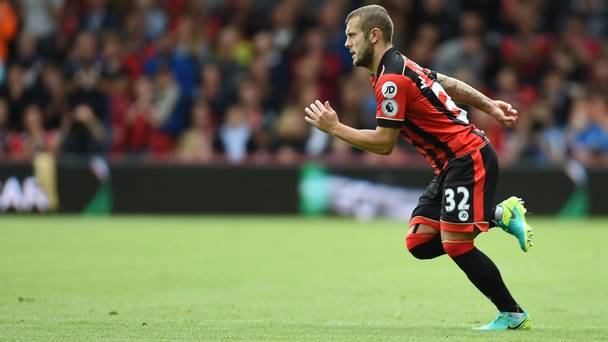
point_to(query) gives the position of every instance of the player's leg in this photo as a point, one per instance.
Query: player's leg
(423, 240)
(510, 214)
(484, 274)
(468, 188)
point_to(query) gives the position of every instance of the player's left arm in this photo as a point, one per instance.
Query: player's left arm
(463, 93)
(382, 140)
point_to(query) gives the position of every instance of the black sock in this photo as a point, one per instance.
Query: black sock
(430, 249)
(492, 223)
(482, 272)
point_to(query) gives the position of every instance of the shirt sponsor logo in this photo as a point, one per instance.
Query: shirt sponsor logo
(389, 89)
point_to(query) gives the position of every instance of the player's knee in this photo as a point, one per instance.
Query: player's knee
(454, 248)
(415, 244)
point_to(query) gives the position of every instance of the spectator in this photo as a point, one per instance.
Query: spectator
(17, 95)
(175, 74)
(270, 69)
(99, 16)
(212, 90)
(155, 19)
(196, 144)
(111, 61)
(599, 75)
(83, 132)
(235, 135)
(28, 58)
(249, 60)
(292, 133)
(134, 137)
(167, 95)
(8, 29)
(465, 52)
(325, 65)
(331, 23)
(120, 102)
(261, 120)
(589, 130)
(136, 49)
(528, 48)
(40, 17)
(284, 25)
(232, 56)
(509, 144)
(154, 104)
(422, 47)
(438, 14)
(84, 67)
(52, 97)
(34, 138)
(584, 48)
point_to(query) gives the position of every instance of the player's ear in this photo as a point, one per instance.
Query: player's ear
(374, 35)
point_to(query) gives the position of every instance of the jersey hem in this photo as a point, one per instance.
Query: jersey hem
(466, 227)
(425, 220)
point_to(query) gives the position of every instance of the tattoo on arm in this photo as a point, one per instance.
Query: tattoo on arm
(463, 93)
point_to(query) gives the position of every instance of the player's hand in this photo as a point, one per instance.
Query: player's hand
(321, 116)
(504, 113)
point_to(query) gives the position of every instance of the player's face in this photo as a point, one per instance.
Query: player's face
(358, 43)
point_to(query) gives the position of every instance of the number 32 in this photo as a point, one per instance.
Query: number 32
(450, 203)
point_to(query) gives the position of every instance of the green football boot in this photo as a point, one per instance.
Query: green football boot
(513, 221)
(505, 321)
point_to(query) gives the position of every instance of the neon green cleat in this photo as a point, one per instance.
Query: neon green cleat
(514, 221)
(505, 321)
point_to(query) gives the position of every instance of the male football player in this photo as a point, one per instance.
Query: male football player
(418, 105)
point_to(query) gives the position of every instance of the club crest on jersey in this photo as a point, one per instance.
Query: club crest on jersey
(389, 89)
(389, 107)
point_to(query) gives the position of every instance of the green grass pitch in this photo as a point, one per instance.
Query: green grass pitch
(239, 278)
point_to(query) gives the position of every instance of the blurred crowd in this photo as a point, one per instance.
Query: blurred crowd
(213, 80)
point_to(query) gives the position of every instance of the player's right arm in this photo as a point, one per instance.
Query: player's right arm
(380, 141)
(463, 93)
(392, 94)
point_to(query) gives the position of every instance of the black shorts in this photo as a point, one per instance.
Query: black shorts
(461, 197)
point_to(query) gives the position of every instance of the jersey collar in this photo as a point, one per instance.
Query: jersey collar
(381, 67)
(386, 55)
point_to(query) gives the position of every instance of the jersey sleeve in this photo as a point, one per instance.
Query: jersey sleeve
(430, 74)
(391, 100)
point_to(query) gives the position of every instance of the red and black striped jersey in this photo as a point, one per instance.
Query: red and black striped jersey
(410, 98)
